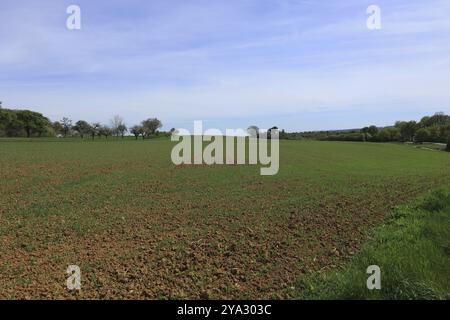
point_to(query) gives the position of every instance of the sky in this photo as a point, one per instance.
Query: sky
(299, 65)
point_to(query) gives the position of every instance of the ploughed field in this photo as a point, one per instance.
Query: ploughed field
(140, 227)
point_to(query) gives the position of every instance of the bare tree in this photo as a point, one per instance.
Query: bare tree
(105, 131)
(66, 124)
(122, 129)
(118, 126)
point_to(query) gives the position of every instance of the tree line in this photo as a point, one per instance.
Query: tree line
(23, 123)
(116, 128)
(435, 128)
(26, 123)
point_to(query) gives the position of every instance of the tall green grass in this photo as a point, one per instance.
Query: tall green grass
(412, 250)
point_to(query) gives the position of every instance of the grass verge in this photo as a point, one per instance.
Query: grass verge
(412, 250)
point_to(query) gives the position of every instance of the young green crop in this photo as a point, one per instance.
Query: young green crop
(142, 227)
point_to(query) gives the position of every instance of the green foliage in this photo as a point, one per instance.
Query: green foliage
(150, 126)
(5, 120)
(82, 127)
(423, 135)
(346, 137)
(372, 130)
(388, 135)
(137, 131)
(411, 251)
(407, 129)
(283, 134)
(434, 128)
(19, 123)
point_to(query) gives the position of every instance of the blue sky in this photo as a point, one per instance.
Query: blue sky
(300, 65)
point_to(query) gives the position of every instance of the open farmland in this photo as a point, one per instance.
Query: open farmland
(140, 227)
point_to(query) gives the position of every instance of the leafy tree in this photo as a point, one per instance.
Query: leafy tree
(32, 121)
(369, 133)
(425, 122)
(150, 126)
(95, 129)
(435, 134)
(447, 134)
(392, 134)
(66, 125)
(137, 131)
(422, 135)
(12, 126)
(82, 127)
(365, 132)
(372, 130)
(444, 132)
(407, 129)
(6, 117)
(439, 119)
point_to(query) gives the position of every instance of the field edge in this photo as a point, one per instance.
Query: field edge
(412, 249)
